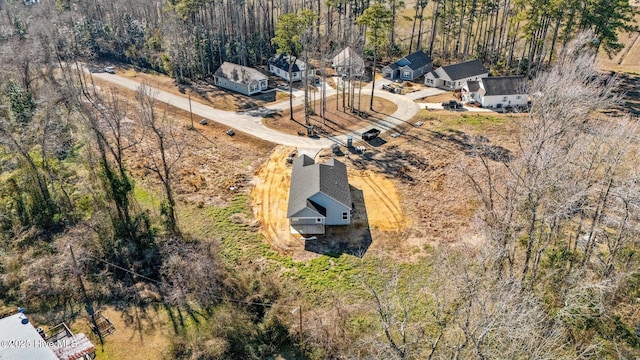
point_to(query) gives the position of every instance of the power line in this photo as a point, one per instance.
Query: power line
(213, 296)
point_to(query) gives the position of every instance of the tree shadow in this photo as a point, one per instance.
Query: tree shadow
(630, 87)
(376, 142)
(474, 145)
(354, 239)
(394, 162)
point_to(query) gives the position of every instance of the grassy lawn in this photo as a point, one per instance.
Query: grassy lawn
(240, 243)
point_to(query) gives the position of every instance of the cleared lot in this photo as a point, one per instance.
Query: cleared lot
(382, 210)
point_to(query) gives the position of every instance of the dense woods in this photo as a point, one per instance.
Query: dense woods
(559, 276)
(189, 39)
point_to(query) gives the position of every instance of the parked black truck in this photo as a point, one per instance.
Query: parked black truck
(370, 134)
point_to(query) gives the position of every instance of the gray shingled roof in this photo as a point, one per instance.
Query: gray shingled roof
(282, 62)
(473, 85)
(505, 85)
(309, 178)
(434, 74)
(238, 73)
(465, 69)
(418, 59)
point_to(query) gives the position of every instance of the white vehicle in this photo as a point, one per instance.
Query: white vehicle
(110, 69)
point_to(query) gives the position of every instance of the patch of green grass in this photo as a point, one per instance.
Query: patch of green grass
(147, 198)
(475, 120)
(240, 243)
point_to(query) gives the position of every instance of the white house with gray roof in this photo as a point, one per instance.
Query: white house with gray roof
(497, 91)
(348, 62)
(409, 67)
(454, 76)
(279, 66)
(242, 79)
(319, 195)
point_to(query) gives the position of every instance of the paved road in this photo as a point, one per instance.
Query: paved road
(250, 122)
(424, 93)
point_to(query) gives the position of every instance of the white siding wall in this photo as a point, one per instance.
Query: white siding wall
(454, 85)
(506, 100)
(335, 210)
(430, 80)
(225, 83)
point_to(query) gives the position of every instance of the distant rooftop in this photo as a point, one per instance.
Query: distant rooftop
(238, 73)
(505, 85)
(282, 62)
(465, 69)
(416, 60)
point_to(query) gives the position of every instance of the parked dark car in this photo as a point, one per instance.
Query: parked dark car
(370, 134)
(452, 105)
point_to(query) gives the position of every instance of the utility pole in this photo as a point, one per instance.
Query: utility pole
(299, 311)
(87, 304)
(191, 112)
(76, 270)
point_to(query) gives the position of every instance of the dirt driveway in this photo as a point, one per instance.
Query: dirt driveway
(381, 210)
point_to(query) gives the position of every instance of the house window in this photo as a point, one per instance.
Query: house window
(345, 215)
(406, 74)
(318, 220)
(504, 98)
(254, 87)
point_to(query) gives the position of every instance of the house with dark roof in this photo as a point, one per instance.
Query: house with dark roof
(348, 62)
(240, 78)
(279, 66)
(409, 67)
(319, 195)
(452, 77)
(497, 91)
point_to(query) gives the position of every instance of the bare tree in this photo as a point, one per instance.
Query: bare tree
(164, 152)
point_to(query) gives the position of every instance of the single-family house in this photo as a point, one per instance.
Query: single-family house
(319, 195)
(409, 67)
(279, 66)
(240, 78)
(452, 77)
(497, 91)
(21, 340)
(348, 62)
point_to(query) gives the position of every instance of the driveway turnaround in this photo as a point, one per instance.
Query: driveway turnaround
(250, 122)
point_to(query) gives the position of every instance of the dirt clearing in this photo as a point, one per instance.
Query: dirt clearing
(381, 200)
(271, 193)
(269, 197)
